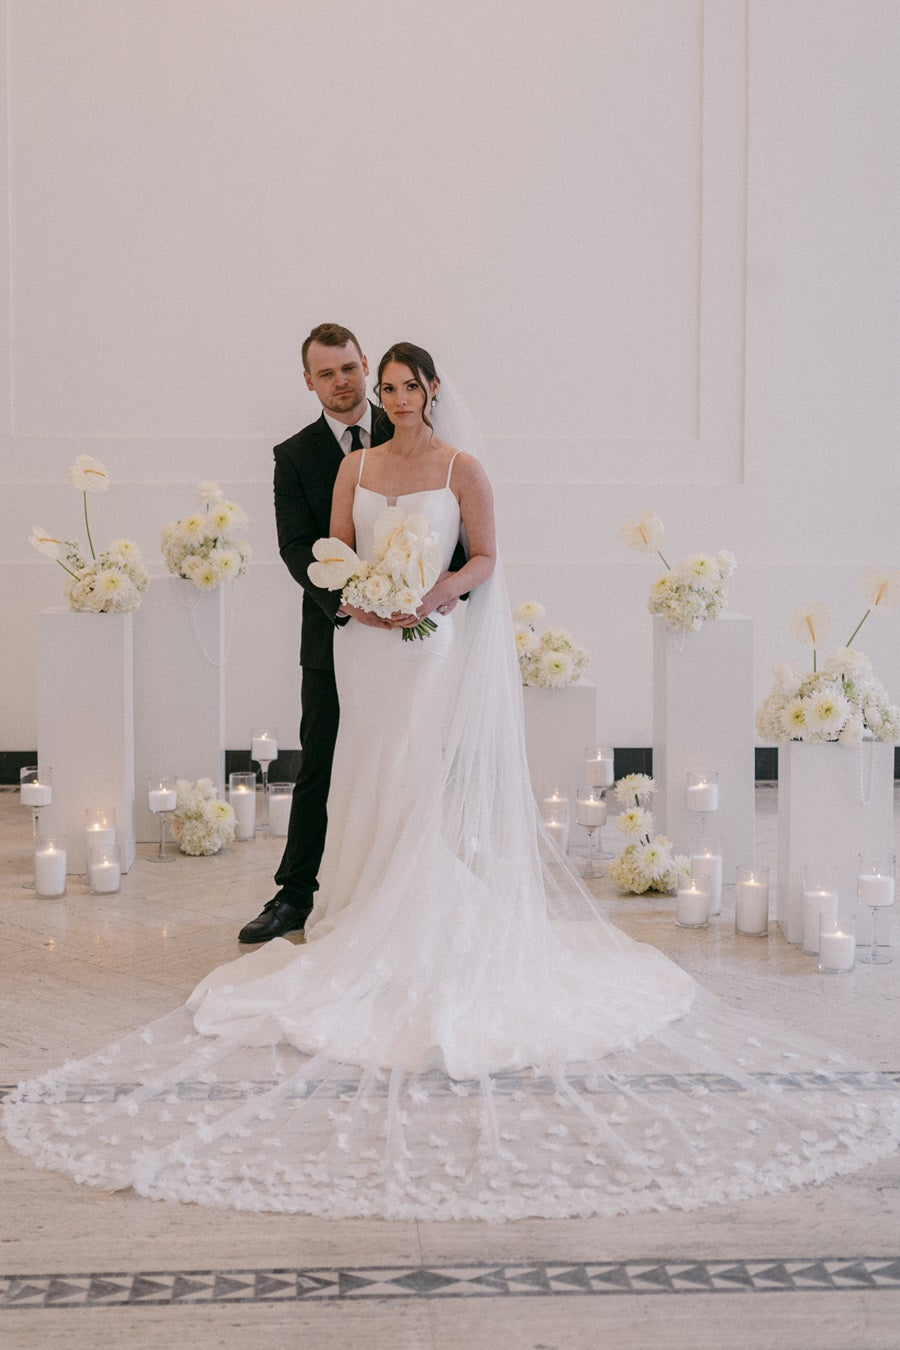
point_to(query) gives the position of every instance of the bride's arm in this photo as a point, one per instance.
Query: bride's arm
(342, 527)
(476, 507)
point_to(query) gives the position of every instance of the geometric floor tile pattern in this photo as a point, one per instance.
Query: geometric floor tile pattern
(538, 1279)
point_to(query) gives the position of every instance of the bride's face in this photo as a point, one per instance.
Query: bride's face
(403, 396)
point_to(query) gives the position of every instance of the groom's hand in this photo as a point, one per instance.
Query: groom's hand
(364, 616)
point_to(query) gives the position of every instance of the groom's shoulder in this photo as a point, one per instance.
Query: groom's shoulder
(304, 439)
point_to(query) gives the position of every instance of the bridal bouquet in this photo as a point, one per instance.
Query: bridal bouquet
(691, 592)
(109, 582)
(843, 701)
(201, 823)
(406, 565)
(551, 660)
(205, 547)
(647, 863)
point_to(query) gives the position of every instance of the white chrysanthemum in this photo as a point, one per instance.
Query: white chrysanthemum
(635, 821)
(812, 625)
(881, 589)
(556, 668)
(526, 639)
(794, 718)
(208, 492)
(845, 661)
(647, 534)
(44, 542)
(206, 575)
(529, 611)
(632, 788)
(700, 568)
(727, 563)
(827, 711)
(88, 475)
(227, 562)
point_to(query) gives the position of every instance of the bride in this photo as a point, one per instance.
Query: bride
(465, 1035)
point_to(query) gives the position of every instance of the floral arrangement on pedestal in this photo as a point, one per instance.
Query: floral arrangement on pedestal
(202, 824)
(690, 593)
(647, 863)
(206, 547)
(109, 582)
(843, 701)
(550, 660)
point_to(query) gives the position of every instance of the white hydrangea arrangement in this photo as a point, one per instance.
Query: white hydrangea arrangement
(202, 824)
(551, 660)
(690, 593)
(843, 701)
(109, 582)
(647, 863)
(206, 547)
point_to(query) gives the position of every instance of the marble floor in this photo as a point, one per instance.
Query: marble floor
(819, 1268)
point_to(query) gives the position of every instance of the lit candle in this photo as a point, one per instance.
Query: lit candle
(751, 907)
(263, 749)
(99, 836)
(600, 772)
(703, 797)
(555, 808)
(162, 799)
(706, 871)
(49, 868)
(692, 907)
(817, 905)
(558, 831)
(280, 799)
(590, 811)
(875, 890)
(35, 794)
(243, 801)
(104, 875)
(837, 952)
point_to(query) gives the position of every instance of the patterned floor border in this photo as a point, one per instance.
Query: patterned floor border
(457, 1280)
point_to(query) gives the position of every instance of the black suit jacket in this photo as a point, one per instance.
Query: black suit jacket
(306, 466)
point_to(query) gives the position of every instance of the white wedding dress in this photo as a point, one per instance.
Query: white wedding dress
(464, 1035)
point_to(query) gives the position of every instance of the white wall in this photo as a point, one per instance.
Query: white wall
(655, 241)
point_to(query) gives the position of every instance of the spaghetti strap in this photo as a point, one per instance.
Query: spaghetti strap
(449, 470)
(362, 464)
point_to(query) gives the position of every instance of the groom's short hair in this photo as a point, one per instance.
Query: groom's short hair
(330, 335)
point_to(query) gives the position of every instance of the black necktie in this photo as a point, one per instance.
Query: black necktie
(356, 438)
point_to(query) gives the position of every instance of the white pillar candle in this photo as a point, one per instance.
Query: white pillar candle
(751, 908)
(692, 907)
(162, 799)
(243, 801)
(590, 811)
(817, 905)
(279, 811)
(49, 869)
(104, 876)
(837, 952)
(706, 871)
(555, 808)
(558, 831)
(99, 836)
(875, 890)
(600, 771)
(263, 749)
(703, 797)
(35, 794)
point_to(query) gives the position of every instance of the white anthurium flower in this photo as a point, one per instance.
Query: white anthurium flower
(647, 534)
(388, 526)
(335, 564)
(88, 475)
(44, 542)
(881, 589)
(812, 624)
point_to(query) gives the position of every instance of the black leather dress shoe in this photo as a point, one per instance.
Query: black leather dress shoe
(277, 918)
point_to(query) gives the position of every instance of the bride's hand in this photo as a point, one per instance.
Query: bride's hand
(437, 599)
(364, 616)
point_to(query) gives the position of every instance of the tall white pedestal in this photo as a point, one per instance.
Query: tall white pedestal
(823, 818)
(559, 724)
(86, 724)
(179, 689)
(703, 719)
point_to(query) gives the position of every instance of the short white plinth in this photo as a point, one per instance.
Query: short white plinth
(834, 801)
(179, 689)
(703, 719)
(559, 725)
(85, 719)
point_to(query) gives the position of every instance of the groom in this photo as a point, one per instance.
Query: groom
(306, 466)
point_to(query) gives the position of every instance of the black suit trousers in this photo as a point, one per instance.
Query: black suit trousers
(319, 715)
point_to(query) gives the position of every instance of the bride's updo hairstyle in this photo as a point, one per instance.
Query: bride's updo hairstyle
(418, 361)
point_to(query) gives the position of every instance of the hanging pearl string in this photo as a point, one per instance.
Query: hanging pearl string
(865, 774)
(190, 598)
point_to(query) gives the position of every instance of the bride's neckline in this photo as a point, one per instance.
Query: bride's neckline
(392, 501)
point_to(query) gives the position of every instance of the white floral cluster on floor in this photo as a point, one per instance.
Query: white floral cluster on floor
(647, 862)
(201, 824)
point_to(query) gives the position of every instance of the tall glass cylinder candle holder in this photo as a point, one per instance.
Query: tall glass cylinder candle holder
(50, 865)
(875, 883)
(590, 812)
(702, 791)
(751, 901)
(281, 796)
(35, 792)
(242, 795)
(820, 902)
(555, 814)
(162, 798)
(706, 871)
(599, 766)
(99, 828)
(263, 749)
(104, 872)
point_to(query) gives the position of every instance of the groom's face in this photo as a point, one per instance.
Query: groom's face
(337, 375)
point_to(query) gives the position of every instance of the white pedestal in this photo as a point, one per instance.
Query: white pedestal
(179, 689)
(559, 724)
(86, 724)
(703, 719)
(822, 818)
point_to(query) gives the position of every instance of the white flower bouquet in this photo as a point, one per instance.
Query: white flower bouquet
(206, 547)
(686, 595)
(201, 824)
(109, 582)
(551, 660)
(843, 701)
(406, 565)
(647, 863)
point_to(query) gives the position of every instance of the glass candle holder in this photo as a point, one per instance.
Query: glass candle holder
(692, 905)
(590, 813)
(706, 871)
(263, 749)
(751, 901)
(50, 865)
(702, 792)
(162, 798)
(99, 828)
(242, 795)
(104, 872)
(555, 808)
(875, 880)
(836, 949)
(820, 902)
(281, 796)
(599, 766)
